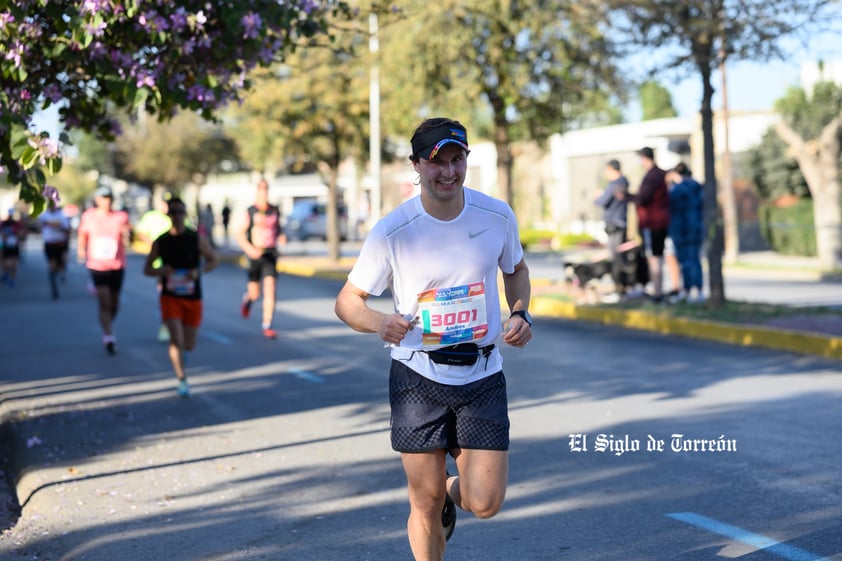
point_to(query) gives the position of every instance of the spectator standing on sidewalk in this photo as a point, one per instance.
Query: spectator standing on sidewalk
(615, 209)
(686, 201)
(102, 239)
(183, 256)
(652, 203)
(207, 223)
(226, 220)
(440, 254)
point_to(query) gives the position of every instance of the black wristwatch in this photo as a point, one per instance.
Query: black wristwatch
(525, 315)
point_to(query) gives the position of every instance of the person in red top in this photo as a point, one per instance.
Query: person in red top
(258, 238)
(102, 238)
(653, 218)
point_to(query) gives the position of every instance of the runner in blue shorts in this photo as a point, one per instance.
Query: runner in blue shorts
(440, 253)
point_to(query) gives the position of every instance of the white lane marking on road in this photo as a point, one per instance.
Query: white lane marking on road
(305, 375)
(767, 544)
(218, 337)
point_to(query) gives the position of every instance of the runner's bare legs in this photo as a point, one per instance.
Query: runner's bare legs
(479, 489)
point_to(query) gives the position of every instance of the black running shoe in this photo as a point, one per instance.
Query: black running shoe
(448, 515)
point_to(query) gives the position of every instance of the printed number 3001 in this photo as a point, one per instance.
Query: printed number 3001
(453, 318)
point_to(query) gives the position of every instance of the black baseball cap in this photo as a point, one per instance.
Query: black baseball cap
(427, 144)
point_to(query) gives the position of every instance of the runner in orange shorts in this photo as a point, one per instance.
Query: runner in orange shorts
(181, 251)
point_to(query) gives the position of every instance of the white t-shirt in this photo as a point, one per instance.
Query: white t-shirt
(444, 273)
(51, 233)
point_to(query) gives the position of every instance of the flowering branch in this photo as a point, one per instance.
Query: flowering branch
(158, 56)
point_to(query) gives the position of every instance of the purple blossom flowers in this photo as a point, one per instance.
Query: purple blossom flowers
(92, 55)
(50, 193)
(252, 23)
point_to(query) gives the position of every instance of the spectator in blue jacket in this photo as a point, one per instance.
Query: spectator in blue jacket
(686, 229)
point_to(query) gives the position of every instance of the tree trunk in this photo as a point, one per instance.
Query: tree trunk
(819, 163)
(713, 217)
(331, 209)
(503, 146)
(504, 163)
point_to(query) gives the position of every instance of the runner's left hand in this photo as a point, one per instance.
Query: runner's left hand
(518, 332)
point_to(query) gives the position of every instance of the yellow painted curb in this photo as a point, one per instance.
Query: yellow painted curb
(316, 267)
(758, 336)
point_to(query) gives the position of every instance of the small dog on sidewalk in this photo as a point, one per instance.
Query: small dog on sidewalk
(586, 275)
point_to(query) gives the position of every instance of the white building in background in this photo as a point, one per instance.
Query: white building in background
(815, 72)
(578, 157)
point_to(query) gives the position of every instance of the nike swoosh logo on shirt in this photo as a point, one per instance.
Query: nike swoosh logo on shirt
(473, 235)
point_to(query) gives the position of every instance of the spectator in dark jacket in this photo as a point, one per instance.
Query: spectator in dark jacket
(686, 229)
(652, 202)
(615, 207)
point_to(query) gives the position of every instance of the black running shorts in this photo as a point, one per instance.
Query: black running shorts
(429, 416)
(264, 266)
(55, 251)
(112, 279)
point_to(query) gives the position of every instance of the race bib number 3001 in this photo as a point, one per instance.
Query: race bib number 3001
(453, 315)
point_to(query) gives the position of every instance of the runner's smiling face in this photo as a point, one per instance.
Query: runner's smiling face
(441, 178)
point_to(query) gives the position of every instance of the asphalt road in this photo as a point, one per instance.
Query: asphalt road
(282, 452)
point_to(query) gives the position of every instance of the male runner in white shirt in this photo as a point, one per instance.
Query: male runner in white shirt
(440, 252)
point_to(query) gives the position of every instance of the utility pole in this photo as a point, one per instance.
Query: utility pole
(730, 217)
(374, 120)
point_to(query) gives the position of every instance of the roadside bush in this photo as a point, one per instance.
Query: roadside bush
(530, 238)
(535, 239)
(789, 229)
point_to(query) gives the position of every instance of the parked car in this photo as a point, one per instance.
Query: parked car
(308, 220)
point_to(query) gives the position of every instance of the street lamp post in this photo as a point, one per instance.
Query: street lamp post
(374, 121)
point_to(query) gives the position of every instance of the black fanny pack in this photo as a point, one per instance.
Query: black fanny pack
(463, 354)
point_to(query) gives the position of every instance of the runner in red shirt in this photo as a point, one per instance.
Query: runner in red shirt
(103, 236)
(258, 237)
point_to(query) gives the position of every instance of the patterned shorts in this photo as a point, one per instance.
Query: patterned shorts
(430, 416)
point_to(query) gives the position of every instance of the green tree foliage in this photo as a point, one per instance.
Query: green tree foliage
(656, 101)
(75, 184)
(90, 56)
(701, 35)
(773, 171)
(812, 130)
(808, 113)
(92, 153)
(172, 153)
(312, 110)
(532, 68)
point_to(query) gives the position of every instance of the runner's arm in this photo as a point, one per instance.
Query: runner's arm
(149, 266)
(81, 245)
(518, 293)
(126, 233)
(242, 240)
(352, 308)
(209, 254)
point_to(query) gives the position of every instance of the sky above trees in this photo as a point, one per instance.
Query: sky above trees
(752, 86)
